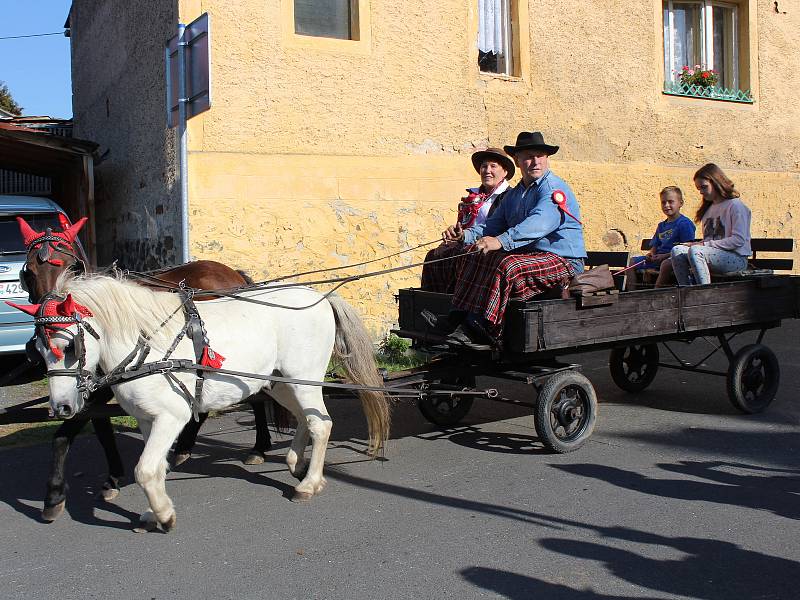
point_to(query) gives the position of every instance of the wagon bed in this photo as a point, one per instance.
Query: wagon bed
(535, 329)
(632, 324)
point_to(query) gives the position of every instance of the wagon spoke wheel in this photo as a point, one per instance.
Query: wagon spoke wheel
(633, 368)
(447, 410)
(753, 378)
(566, 411)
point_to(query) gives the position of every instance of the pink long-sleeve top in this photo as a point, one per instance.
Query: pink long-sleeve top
(726, 225)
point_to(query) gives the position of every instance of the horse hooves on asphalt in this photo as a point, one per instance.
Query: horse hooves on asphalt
(51, 513)
(181, 458)
(108, 494)
(255, 458)
(302, 496)
(170, 523)
(147, 522)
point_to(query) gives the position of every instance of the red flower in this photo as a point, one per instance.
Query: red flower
(705, 75)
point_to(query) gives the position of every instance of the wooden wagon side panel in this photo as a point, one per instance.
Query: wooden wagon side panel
(557, 324)
(738, 303)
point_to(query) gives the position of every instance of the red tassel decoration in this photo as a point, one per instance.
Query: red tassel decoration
(211, 359)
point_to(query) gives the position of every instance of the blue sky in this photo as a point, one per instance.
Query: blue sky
(36, 70)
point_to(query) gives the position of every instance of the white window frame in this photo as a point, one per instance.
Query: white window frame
(707, 42)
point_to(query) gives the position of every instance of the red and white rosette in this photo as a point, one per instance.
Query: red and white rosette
(560, 200)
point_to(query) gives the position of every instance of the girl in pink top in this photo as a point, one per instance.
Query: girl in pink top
(726, 231)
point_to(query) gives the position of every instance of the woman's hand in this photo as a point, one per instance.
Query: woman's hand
(487, 244)
(454, 233)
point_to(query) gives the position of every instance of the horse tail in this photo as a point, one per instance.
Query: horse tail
(353, 349)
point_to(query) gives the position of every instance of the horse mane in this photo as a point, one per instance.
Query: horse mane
(124, 307)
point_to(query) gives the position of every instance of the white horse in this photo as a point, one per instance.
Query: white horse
(294, 340)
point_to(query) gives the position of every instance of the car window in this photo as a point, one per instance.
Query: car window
(10, 237)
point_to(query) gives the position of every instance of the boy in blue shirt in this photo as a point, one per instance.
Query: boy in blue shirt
(673, 230)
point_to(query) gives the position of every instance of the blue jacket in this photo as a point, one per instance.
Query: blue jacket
(528, 216)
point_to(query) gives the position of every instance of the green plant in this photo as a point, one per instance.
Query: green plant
(393, 347)
(698, 76)
(394, 354)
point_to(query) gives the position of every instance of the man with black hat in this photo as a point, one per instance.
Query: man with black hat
(532, 244)
(495, 168)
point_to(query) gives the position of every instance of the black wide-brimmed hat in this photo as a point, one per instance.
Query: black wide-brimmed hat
(496, 155)
(530, 139)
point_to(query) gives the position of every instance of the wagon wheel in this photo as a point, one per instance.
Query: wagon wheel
(753, 378)
(444, 410)
(566, 411)
(633, 368)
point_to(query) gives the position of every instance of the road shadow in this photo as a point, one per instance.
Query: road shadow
(522, 587)
(728, 483)
(709, 570)
(24, 473)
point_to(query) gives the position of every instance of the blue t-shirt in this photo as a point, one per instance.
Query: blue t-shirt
(669, 234)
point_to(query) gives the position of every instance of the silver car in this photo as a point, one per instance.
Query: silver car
(16, 328)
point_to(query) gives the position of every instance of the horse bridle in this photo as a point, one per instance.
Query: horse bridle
(50, 243)
(85, 379)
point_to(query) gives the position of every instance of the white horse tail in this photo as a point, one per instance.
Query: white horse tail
(353, 349)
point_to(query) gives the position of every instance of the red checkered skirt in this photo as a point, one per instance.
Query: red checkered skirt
(441, 276)
(485, 282)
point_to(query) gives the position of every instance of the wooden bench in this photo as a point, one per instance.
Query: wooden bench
(756, 265)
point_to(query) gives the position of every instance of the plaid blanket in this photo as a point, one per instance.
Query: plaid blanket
(485, 282)
(441, 276)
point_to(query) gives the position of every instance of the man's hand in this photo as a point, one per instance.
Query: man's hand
(454, 233)
(487, 244)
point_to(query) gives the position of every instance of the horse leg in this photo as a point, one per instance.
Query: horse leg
(263, 442)
(56, 485)
(105, 435)
(312, 421)
(151, 470)
(187, 440)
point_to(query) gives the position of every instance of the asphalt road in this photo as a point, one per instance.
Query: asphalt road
(675, 496)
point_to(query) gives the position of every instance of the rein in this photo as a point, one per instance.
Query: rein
(88, 382)
(266, 285)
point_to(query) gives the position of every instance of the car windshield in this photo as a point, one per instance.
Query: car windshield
(10, 237)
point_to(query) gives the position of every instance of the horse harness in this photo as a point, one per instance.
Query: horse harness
(193, 327)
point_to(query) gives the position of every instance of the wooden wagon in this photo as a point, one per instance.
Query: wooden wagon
(631, 324)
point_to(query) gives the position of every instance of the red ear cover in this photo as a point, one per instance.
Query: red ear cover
(31, 309)
(69, 307)
(72, 232)
(28, 233)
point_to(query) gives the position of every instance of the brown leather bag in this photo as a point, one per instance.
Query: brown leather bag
(594, 280)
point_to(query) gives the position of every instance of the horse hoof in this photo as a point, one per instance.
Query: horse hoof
(255, 458)
(51, 513)
(302, 496)
(146, 523)
(181, 458)
(170, 523)
(109, 494)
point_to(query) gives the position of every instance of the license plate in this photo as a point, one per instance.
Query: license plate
(12, 289)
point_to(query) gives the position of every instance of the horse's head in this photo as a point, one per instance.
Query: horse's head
(50, 253)
(71, 356)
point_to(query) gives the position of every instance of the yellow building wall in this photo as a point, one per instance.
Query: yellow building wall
(320, 153)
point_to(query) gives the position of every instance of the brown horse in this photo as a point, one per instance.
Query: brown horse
(50, 253)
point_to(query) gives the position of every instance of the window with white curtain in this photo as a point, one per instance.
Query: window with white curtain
(495, 49)
(702, 32)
